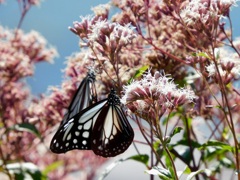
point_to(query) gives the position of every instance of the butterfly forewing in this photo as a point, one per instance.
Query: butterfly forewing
(112, 133)
(76, 133)
(83, 98)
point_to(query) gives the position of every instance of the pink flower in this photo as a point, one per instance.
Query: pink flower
(100, 33)
(205, 11)
(155, 93)
(228, 66)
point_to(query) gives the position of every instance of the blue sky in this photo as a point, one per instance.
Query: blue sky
(52, 19)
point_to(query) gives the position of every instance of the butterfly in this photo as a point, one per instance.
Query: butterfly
(84, 97)
(101, 127)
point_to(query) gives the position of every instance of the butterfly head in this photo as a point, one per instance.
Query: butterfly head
(91, 75)
(113, 98)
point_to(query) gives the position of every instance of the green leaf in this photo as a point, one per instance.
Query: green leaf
(186, 170)
(193, 174)
(27, 127)
(157, 145)
(201, 54)
(52, 167)
(185, 153)
(23, 170)
(109, 168)
(215, 152)
(226, 162)
(143, 158)
(217, 144)
(138, 73)
(171, 170)
(186, 142)
(176, 131)
(161, 172)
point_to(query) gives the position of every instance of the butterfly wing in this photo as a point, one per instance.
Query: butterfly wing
(112, 134)
(84, 97)
(76, 132)
(102, 127)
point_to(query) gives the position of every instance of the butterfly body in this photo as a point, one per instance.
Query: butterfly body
(102, 127)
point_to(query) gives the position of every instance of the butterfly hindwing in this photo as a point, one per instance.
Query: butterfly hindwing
(112, 133)
(76, 133)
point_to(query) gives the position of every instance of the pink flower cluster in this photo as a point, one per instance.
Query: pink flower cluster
(202, 11)
(228, 66)
(20, 51)
(152, 96)
(109, 46)
(102, 35)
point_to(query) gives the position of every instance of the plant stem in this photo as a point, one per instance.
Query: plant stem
(151, 176)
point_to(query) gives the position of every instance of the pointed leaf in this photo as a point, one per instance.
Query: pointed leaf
(193, 174)
(138, 73)
(143, 158)
(186, 142)
(27, 127)
(185, 153)
(52, 167)
(23, 170)
(176, 131)
(161, 172)
(201, 54)
(218, 144)
(109, 169)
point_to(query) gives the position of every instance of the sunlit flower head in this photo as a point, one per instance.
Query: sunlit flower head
(82, 28)
(105, 32)
(100, 32)
(228, 65)
(202, 11)
(157, 91)
(101, 9)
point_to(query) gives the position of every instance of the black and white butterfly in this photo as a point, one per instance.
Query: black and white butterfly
(102, 128)
(85, 96)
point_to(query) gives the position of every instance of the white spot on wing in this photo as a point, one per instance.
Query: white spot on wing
(114, 130)
(77, 133)
(108, 123)
(85, 134)
(67, 131)
(75, 141)
(69, 136)
(106, 141)
(87, 125)
(84, 142)
(111, 137)
(115, 120)
(100, 148)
